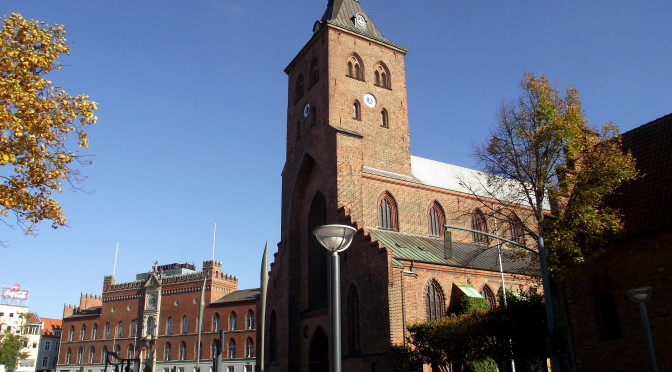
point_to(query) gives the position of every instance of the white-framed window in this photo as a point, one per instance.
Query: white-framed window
(249, 320)
(47, 345)
(45, 361)
(247, 368)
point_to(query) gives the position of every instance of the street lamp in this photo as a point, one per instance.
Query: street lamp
(640, 295)
(336, 238)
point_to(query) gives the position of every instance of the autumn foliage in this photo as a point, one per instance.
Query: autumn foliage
(40, 123)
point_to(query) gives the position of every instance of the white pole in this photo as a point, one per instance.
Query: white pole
(116, 253)
(214, 238)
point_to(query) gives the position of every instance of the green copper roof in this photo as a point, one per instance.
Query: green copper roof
(429, 249)
(350, 15)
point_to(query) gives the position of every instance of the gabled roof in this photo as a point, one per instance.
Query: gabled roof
(241, 295)
(50, 325)
(33, 318)
(428, 249)
(645, 202)
(343, 13)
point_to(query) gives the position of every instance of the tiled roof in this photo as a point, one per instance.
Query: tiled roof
(646, 203)
(50, 325)
(33, 318)
(239, 295)
(427, 249)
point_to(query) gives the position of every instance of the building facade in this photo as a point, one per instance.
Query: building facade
(16, 319)
(154, 321)
(606, 329)
(348, 161)
(47, 356)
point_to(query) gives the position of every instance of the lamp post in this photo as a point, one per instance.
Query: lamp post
(640, 295)
(336, 238)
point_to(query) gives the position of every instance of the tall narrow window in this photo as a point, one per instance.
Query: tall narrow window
(387, 212)
(436, 219)
(273, 338)
(68, 355)
(384, 120)
(94, 332)
(249, 348)
(200, 350)
(185, 325)
(120, 330)
(151, 323)
(183, 351)
(353, 320)
(249, 323)
(82, 335)
(169, 326)
(134, 328)
(215, 322)
(356, 110)
(517, 231)
(71, 335)
(232, 348)
(434, 301)
(80, 355)
(213, 349)
(299, 87)
(131, 351)
(107, 330)
(232, 321)
(103, 354)
(479, 223)
(314, 72)
(92, 354)
(167, 352)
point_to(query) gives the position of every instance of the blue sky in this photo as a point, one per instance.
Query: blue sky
(192, 99)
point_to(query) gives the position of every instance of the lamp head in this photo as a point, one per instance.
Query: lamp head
(640, 294)
(336, 238)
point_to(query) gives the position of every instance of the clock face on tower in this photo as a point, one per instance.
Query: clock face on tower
(151, 301)
(360, 21)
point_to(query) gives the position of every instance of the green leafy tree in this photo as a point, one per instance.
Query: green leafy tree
(39, 124)
(551, 172)
(11, 346)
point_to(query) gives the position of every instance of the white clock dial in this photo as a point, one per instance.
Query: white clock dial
(369, 100)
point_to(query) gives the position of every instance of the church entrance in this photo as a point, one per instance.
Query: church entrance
(318, 356)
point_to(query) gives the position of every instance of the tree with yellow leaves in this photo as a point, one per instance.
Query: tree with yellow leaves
(39, 124)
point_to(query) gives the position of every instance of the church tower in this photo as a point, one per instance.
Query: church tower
(346, 114)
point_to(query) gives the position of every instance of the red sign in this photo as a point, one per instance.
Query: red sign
(14, 293)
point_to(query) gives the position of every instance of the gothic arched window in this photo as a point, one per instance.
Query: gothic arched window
(490, 296)
(120, 330)
(437, 219)
(185, 324)
(384, 119)
(94, 332)
(232, 348)
(355, 67)
(382, 76)
(107, 330)
(314, 72)
(434, 301)
(82, 334)
(356, 110)
(232, 321)
(387, 212)
(183, 351)
(249, 348)
(169, 326)
(479, 222)
(249, 320)
(353, 320)
(167, 351)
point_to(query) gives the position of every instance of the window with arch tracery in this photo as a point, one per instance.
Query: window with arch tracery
(387, 212)
(355, 67)
(434, 301)
(437, 219)
(479, 222)
(382, 76)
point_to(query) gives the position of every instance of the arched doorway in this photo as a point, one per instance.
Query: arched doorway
(318, 356)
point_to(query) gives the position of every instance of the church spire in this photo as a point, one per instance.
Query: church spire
(350, 15)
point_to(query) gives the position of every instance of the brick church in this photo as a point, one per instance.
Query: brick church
(348, 161)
